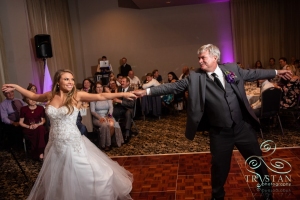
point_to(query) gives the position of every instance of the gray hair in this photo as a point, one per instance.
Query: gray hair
(212, 50)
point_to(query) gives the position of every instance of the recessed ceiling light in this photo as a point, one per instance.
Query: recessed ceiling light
(168, 2)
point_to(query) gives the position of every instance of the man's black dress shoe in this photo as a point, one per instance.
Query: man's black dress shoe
(126, 139)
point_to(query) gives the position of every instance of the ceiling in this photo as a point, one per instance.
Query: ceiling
(146, 4)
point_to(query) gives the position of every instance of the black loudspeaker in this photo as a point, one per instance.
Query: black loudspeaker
(43, 46)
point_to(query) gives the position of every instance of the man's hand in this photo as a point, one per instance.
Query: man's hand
(285, 74)
(140, 93)
(15, 124)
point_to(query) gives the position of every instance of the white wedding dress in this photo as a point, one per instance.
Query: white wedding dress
(74, 168)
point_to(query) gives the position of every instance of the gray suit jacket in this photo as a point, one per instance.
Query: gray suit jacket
(195, 83)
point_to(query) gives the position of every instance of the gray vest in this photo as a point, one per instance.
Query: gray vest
(221, 107)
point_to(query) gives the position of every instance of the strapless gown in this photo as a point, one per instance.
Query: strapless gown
(74, 168)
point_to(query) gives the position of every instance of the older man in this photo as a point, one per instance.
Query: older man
(133, 79)
(10, 115)
(124, 108)
(217, 101)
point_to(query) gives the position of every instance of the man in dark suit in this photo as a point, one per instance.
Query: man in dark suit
(124, 68)
(124, 107)
(217, 98)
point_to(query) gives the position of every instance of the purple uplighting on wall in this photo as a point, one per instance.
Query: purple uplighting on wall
(47, 79)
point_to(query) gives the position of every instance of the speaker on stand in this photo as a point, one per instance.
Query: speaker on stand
(43, 48)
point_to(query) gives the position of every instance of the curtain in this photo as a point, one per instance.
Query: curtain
(3, 73)
(265, 28)
(51, 17)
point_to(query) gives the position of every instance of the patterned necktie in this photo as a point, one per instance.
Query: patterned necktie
(16, 109)
(217, 80)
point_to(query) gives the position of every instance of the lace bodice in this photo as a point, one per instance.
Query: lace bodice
(63, 128)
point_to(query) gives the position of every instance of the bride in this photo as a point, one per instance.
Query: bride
(74, 168)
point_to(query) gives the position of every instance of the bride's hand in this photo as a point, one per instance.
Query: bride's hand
(129, 95)
(8, 87)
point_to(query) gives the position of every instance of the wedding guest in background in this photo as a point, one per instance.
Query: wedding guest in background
(32, 119)
(133, 79)
(283, 63)
(265, 84)
(112, 76)
(104, 58)
(124, 68)
(272, 64)
(113, 86)
(291, 89)
(151, 82)
(124, 108)
(103, 119)
(119, 79)
(87, 85)
(185, 72)
(258, 65)
(10, 115)
(172, 77)
(157, 76)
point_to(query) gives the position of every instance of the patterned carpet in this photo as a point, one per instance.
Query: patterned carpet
(164, 136)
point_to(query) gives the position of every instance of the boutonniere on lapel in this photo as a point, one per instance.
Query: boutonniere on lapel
(230, 77)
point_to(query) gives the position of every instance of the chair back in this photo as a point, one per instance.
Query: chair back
(270, 102)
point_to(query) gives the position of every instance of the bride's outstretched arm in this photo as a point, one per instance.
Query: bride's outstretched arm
(87, 97)
(26, 93)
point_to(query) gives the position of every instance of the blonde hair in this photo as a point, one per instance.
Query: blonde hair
(70, 100)
(292, 68)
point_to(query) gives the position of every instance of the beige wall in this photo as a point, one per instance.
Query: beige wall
(162, 38)
(17, 45)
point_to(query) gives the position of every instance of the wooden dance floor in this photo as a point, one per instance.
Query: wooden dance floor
(187, 176)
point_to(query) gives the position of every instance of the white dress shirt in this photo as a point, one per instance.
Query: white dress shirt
(151, 83)
(134, 80)
(220, 75)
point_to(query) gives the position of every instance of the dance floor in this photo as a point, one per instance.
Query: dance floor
(187, 176)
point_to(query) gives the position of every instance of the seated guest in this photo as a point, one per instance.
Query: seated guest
(172, 77)
(113, 86)
(185, 72)
(124, 107)
(290, 89)
(102, 118)
(265, 84)
(258, 65)
(87, 85)
(10, 115)
(32, 119)
(151, 82)
(133, 79)
(112, 76)
(157, 76)
(82, 128)
(119, 79)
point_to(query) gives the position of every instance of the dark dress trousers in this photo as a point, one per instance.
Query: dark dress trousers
(227, 115)
(125, 109)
